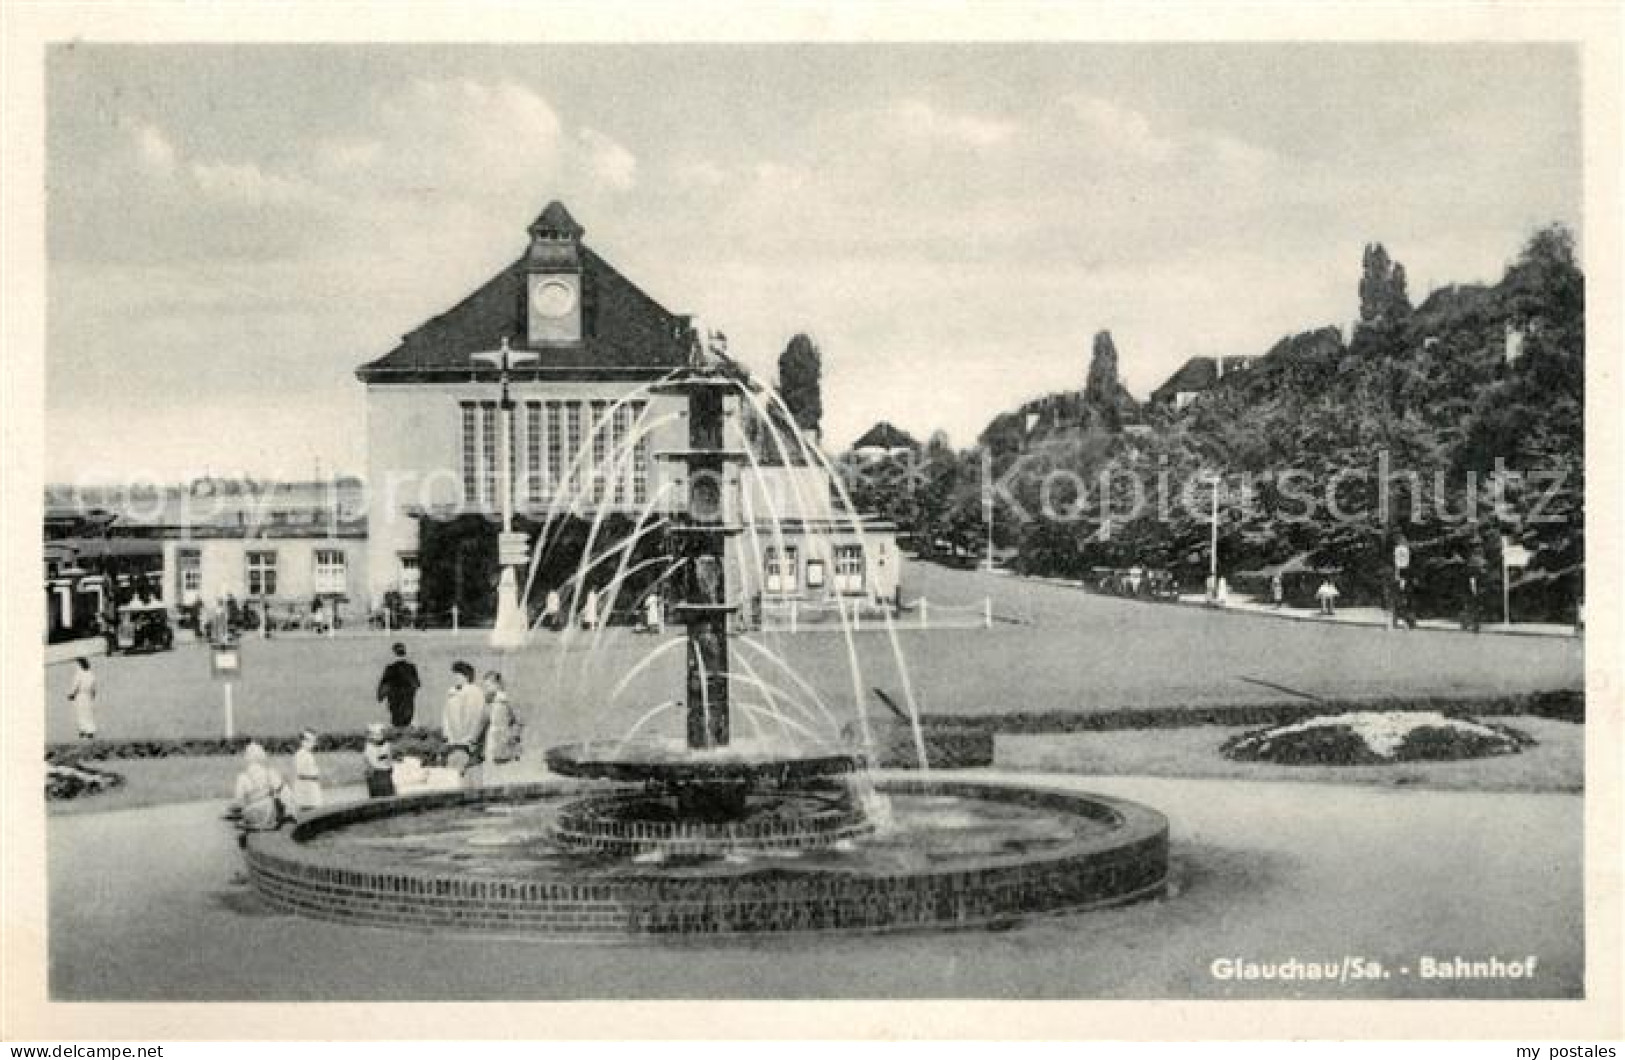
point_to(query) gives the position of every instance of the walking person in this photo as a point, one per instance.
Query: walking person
(589, 611)
(399, 688)
(1327, 594)
(550, 611)
(82, 694)
(307, 776)
(1404, 603)
(1277, 592)
(465, 723)
(502, 734)
(1472, 615)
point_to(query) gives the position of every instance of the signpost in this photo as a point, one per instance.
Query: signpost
(1512, 555)
(225, 666)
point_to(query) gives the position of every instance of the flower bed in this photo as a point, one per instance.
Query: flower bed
(1360, 738)
(427, 744)
(70, 782)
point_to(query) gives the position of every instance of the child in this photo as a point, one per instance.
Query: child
(380, 762)
(307, 777)
(502, 734)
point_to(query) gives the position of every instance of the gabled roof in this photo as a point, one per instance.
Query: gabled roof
(625, 333)
(884, 436)
(1198, 374)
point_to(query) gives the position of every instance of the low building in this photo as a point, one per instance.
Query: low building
(1196, 377)
(883, 441)
(280, 548)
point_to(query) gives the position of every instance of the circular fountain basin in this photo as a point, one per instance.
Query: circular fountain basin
(948, 853)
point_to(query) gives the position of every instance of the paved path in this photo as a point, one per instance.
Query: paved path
(142, 907)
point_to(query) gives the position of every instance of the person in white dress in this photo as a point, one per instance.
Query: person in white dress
(82, 694)
(307, 776)
(589, 611)
(261, 793)
(502, 731)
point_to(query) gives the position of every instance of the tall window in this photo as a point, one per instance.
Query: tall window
(600, 450)
(471, 454)
(189, 565)
(780, 564)
(411, 574)
(640, 458)
(849, 569)
(572, 444)
(488, 452)
(621, 457)
(555, 447)
(533, 452)
(330, 571)
(261, 573)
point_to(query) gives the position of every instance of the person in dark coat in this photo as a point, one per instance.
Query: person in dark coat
(399, 687)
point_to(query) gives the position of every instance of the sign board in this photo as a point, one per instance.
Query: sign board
(513, 549)
(1402, 557)
(225, 661)
(1514, 555)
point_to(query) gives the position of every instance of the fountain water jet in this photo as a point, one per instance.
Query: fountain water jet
(710, 834)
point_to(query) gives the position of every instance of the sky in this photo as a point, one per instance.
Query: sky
(233, 229)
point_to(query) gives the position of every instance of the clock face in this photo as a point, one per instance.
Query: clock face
(552, 298)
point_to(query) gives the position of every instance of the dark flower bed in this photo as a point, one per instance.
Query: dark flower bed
(70, 782)
(427, 744)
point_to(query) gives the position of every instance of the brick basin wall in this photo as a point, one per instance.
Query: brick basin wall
(1129, 862)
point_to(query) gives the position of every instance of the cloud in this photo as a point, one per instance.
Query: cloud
(461, 135)
(1119, 131)
(608, 160)
(154, 148)
(247, 184)
(701, 173)
(346, 155)
(919, 119)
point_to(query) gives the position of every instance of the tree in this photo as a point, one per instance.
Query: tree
(801, 382)
(1383, 297)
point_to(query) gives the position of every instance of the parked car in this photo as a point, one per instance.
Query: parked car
(142, 628)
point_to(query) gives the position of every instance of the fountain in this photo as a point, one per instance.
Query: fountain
(709, 834)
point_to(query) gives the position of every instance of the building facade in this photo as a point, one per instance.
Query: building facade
(278, 549)
(585, 432)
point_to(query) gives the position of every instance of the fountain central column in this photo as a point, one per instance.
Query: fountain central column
(705, 606)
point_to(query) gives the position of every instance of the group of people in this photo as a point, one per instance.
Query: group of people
(263, 800)
(479, 724)
(595, 609)
(482, 735)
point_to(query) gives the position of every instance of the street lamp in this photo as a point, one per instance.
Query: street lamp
(513, 550)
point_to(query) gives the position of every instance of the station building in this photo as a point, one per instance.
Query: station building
(587, 430)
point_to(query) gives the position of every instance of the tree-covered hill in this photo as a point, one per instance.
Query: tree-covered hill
(1455, 425)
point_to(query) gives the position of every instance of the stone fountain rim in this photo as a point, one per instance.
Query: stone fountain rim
(1136, 824)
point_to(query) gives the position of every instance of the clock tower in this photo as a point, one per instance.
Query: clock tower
(553, 279)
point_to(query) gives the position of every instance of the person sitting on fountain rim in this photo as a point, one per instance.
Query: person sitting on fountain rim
(261, 794)
(379, 758)
(465, 722)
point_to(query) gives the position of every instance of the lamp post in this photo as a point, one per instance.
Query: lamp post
(513, 550)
